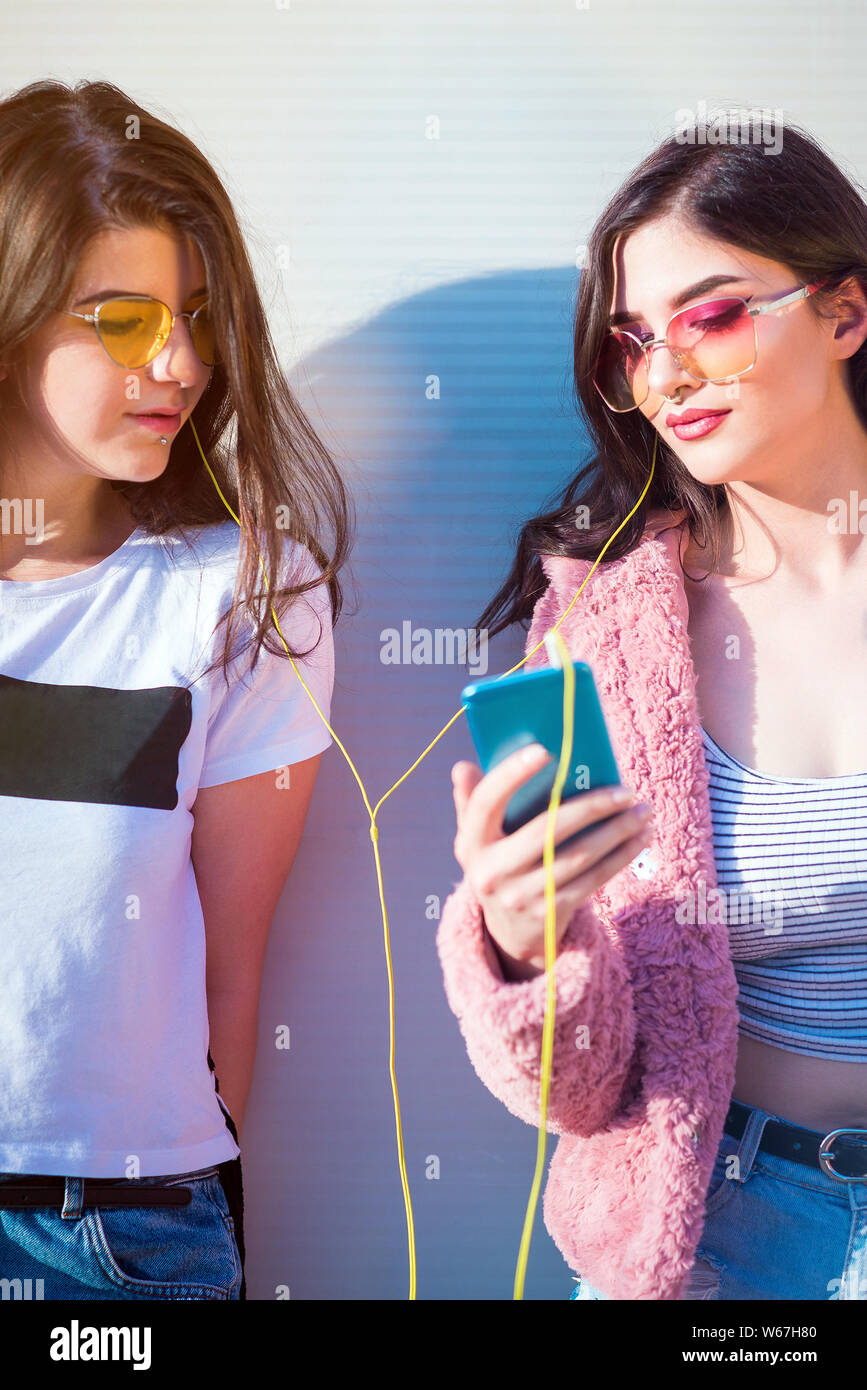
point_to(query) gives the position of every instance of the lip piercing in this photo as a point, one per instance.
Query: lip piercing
(162, 439)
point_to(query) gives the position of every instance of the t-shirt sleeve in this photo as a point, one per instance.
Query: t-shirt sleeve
(265, 719)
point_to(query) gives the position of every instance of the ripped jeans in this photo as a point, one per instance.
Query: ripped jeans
(779, 1230)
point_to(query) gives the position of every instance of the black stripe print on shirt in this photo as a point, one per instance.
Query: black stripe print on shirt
(88, 743)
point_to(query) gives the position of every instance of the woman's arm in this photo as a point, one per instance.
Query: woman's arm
(502, 1018)
(245, 837)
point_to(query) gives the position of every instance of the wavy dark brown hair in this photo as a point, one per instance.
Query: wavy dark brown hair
(68, 171)
(795, 207)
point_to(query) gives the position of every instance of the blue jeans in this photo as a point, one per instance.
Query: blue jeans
(103, 1252)
(774, 1229)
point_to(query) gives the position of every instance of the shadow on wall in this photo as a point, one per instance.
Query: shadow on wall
(452, 420)
(450, 415)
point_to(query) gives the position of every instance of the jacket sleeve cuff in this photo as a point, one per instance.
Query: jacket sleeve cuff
(502, 1021)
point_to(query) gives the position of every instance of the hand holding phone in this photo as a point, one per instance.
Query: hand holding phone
(506, 872)
(503, 812)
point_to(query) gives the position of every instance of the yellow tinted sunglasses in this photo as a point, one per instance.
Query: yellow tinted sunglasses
(134, 328)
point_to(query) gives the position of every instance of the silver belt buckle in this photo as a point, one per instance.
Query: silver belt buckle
(826, 1153)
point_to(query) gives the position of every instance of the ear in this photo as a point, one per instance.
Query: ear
(850, 303)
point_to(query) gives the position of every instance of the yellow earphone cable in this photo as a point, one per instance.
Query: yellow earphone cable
(550, 896)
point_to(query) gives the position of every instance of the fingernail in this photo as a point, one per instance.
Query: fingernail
(623, 794)
(532, 753)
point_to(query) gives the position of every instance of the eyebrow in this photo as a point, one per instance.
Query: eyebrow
(120, 294)
(711, 282)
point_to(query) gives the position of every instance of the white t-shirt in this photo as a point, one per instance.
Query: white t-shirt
(106, 736)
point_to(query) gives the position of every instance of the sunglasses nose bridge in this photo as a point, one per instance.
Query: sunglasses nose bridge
(166, 334)
(649, 348)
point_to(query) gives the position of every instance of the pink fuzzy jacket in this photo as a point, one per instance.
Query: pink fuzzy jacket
(640, 1108)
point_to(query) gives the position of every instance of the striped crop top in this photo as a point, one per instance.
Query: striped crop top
(791, 863)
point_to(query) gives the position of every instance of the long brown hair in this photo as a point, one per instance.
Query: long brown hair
(68, 171)
(795, 207)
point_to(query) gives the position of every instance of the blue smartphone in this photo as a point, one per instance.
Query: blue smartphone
(508, 713)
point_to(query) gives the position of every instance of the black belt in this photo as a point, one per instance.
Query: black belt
(807, 1145)
(42, 1190)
